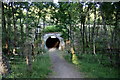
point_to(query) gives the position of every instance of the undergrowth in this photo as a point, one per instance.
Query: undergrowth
(40, 68)
(89, 65)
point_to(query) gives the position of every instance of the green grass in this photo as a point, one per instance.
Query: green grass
(0, 76)
(68, 57)
(89, 65)
(40, 68)
(95, 70)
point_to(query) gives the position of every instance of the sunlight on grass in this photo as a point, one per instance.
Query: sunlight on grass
(91, 68)
(74, 59)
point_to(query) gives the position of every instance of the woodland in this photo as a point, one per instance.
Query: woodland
(92, 29)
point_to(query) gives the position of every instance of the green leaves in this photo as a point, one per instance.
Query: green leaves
(52, 29)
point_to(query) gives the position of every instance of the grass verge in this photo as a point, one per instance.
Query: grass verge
(40, 68)
(92, 69)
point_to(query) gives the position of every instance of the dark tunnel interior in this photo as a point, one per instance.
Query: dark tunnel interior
(52, 43)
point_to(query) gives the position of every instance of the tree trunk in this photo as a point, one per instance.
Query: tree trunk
(117, 36)
(28, 48)
(68, 32)
(22, 35)
(86, 37)
(89, 28)
(1, 66)
(4, 65)
(14, 24)
(44, 23)
(4, 24)
(83, 37)
(6, 36)
(93, 32)
(94, 35)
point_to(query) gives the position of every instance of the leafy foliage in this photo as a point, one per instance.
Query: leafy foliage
(91, 27)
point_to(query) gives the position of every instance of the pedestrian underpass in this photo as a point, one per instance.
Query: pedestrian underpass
(53, 40)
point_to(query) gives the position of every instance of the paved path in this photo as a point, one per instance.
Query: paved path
(61, 68)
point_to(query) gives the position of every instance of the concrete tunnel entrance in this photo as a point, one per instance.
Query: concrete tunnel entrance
(52, 42)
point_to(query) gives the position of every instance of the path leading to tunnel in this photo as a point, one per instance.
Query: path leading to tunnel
(61, 68)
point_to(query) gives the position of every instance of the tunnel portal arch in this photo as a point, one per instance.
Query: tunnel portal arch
(53, 40)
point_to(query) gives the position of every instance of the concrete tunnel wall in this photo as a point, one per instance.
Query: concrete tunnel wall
(49, 42)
